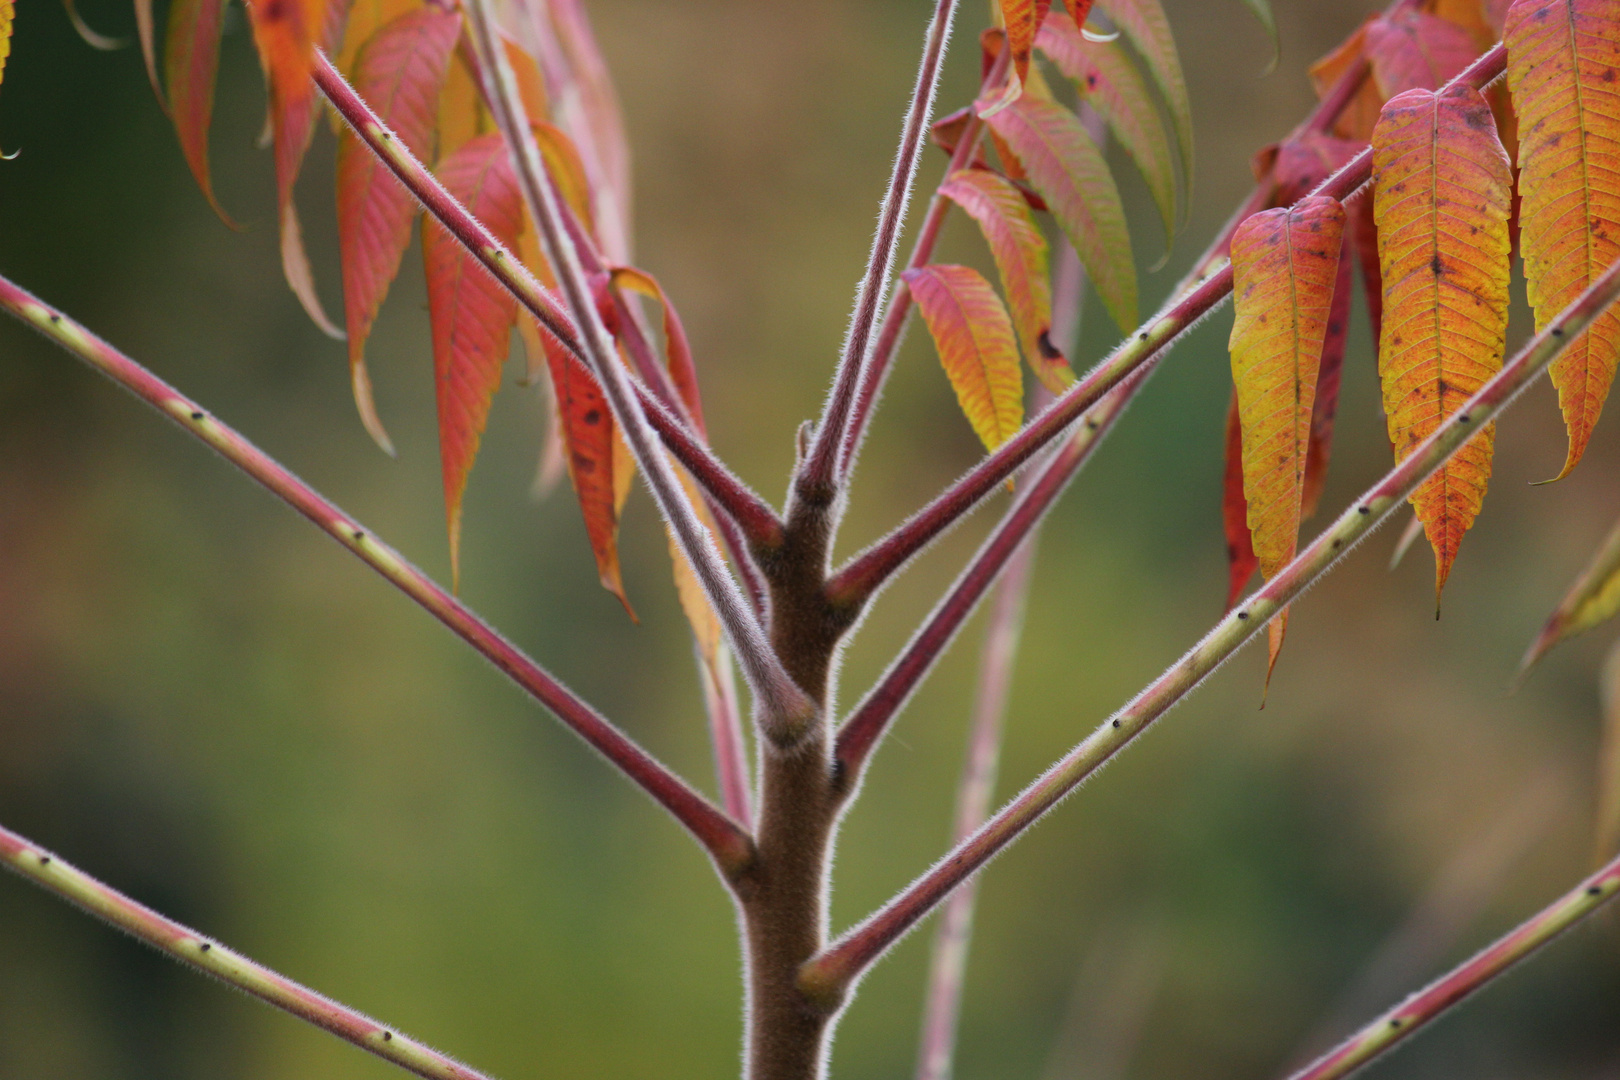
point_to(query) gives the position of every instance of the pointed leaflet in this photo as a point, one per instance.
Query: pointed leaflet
(1413, 50)
(595, 467)
(1020, 253)
(1593, 598)
(1068, 170)
(1021, 18)
(1110, 83)
(190, 62)
(1240, 561)
(88, 33)
(8, 16)
(471, 314)
(1441, 187)
(399, 72)
(1562, 62)
(462, 114)
(1144, 23)
(976, 346)
(1285, 263)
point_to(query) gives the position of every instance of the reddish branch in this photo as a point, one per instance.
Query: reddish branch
(725, 839)
(817, 471)
(194, 950)
(844, 962)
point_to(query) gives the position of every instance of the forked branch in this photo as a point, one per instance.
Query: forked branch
(848, 958)
(194, 950)
(867, 572)
(816, 471)
(724, 839)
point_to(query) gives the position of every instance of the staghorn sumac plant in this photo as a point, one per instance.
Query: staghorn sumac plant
(1447, 134)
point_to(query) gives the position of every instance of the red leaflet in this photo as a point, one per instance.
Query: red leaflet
(1079, 10)
(366, 17)
(1021, 19)
(190, 61)
(1302, 163)
(1241, 561)
(286, 33)
(471, 314)
(1020, 254)
(976, 346)
(677, 351)
(399, 72)
(1413, 50)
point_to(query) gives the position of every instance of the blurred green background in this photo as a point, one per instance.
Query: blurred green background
(211, 706)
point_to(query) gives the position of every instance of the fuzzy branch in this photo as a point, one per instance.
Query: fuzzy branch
(817, 470)
(751, 513)
(722, 837)
(194, 950)
(844, 962)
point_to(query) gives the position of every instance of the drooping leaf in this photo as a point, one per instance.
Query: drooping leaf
(694, 600)
(399, 72)
(190, 62)
(1441, 188)
(1562, 64)
(1240, 561)
(1285, 264)
(1020, 19)
(286, 33)
(1068, 170)
(975, 341)
(1358, 117)
(1413, 50)
(366, 17)
(1473, 16)
(1328, 379)
(471, 314)
(1110, 83)
(1144, 23)
(567, 171)
(677, 350)
(1020, 254)
(1592, 599)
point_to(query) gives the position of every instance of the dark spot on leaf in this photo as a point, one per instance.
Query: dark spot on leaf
(1091, 80)
(593, 416)
(1434, 264)
(584, 464)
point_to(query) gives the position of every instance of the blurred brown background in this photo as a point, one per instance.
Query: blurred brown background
(208, 704)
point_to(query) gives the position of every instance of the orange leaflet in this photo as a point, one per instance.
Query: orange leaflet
(1110, 83)
(677, 350)
(1562, 59)
(286, 33)
(1020, 254)
(1144, 23)
(462, 115)
(8, 16)
(1021, 18)
(1441, 187)
(566, 169)
(190, 62)
(1285, 263)
(471, 314)
(1413, 50)
(1358, 118)
(976, 346)
(598, 465)
(399, 72)
(1592, 599)
(1328, 377)
(1068, 170)
(1240, 561)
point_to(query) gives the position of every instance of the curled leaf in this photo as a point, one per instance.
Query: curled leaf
(1068, 170)
(975, 340)
(1562, 60)
(190, 63)
(677, 350)
(1020, 253)
(1593, 598)
(470, 312)
(399, 72)
(1441, 189)
(1111, 84)
(87, 33)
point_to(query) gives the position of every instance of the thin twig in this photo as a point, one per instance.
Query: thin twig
(1428, 1004)
(724, 839)
(978, 783)
(852, 954)
(817, 471)
(868, 571)
(211, 958)
(752, 514)
(785, 710)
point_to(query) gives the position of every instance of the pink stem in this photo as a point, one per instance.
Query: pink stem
(211, 958)
(724, 839)
(972, 805)
(846, 959)
(864, 574)
(752, 514)
(1428, 1004)
(817, 472)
